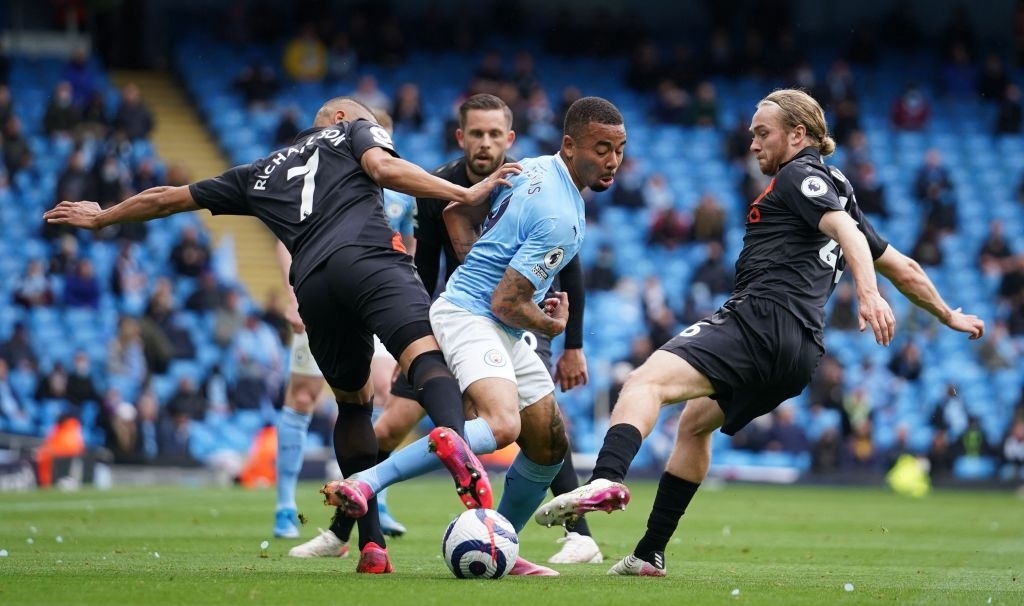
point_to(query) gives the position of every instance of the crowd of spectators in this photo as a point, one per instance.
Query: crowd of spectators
(837, 429)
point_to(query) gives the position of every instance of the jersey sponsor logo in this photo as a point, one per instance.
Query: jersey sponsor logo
(812, 187)
(553, 257)
(495, 358)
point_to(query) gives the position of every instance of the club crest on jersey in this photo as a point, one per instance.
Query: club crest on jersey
(553, 258)
(494, 358)
(394, 210)
(812, 187)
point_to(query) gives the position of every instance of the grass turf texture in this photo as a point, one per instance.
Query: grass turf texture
(776, 545)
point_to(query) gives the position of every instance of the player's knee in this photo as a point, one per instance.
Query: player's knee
(505, 425)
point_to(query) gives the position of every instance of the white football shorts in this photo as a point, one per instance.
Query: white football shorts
(301, 360)
(477, 348)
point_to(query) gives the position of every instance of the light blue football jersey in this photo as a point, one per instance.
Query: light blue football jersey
(399, 209)
(535, 227)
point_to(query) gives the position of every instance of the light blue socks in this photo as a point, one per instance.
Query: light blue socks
(291, 447)
(526, 484)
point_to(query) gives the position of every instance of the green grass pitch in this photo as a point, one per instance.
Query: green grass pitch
(775, 545)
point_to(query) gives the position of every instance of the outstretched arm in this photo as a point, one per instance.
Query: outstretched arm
(910, 279)
(154, 203)
(403, 176)
(872, 308)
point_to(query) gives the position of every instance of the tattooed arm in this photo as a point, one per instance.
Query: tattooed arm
(513, 304)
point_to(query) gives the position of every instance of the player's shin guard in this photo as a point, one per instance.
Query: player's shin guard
(355, 446)
(437, 391)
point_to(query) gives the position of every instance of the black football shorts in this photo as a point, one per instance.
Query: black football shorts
(755, 353)
(357, 292)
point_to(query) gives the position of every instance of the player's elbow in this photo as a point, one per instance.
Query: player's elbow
(383, 170)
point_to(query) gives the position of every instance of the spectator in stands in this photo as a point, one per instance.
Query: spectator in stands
(640, 349)
(408, 112)
(126, 358)
(628, 190)
(900, 446)
(870, 191)
(859, 450)
(257, 83)
(342, 60)
(1012, 453)
(164, 340)
(1011, 286)
(827, 390)
(190, 255)
(80, 385)
(928, 247)
(906, 362)
(258, 353)
(81, 287)
(33, 287)
(53, 385)
(133, 116)
(216, 391)
(844, 311)
(972, 442)
(992, 81)
(784, 434)
(910, 110)
(112, 178)
(524, 75)
(63, 261)
(997, 351)
(709, 220)
(671, 104)
(187, 399)
(950, 413)
(128, 280)
(6, 103)
(175, 440)
(17, 154)
(75, 182)
(273, 315)
(995, 255)
(602, 275)
(940, 455)
(489, 75)
(287, 127)
(934, 187)
(18, 351)
(669, 228)
(95, 120)
(369, 94)
(62, 117)
(1009, 115)
(305, 56)
(228, 318)
(645, 70)
(208, 294)
(15, 415)
(714, 272)
(82, 76)
(539, 120)
(959, 74)
(658, 195)
(704, 109)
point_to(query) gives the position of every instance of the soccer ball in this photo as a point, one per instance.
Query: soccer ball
(480, 544)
